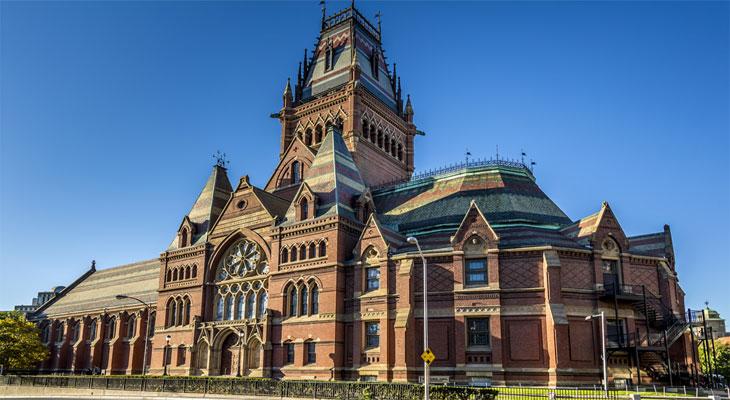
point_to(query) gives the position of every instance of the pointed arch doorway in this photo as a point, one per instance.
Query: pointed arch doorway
(229, 355)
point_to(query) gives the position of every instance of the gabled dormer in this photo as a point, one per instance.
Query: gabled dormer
(364, 206)
(185, 233)
(304, 203)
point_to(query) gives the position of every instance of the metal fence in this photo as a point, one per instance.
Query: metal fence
(532, 392)
(256, 387)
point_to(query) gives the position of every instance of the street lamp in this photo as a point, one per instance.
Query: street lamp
(146, 331)
(413, 240)
(602, 317)
(167, 346)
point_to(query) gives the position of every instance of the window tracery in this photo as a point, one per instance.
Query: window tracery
(241, 276)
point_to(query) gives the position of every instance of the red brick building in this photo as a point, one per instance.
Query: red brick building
(311, 276)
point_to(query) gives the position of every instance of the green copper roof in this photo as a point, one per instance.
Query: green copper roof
(507, 195)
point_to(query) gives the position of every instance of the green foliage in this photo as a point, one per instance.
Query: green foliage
(722, 360)
(20, 342)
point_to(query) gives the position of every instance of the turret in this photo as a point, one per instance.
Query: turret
(287, 94)
(409, 110)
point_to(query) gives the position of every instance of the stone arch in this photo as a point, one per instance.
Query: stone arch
(254, 356)
(240, 233)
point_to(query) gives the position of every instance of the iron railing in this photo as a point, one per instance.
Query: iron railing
(253, 386)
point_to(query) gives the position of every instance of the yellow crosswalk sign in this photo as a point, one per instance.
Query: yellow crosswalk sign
(428, 356)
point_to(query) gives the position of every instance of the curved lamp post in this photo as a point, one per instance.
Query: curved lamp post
(146, 331)
(413, 240)
(602, 318)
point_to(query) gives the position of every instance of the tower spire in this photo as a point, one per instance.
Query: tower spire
(287, 94)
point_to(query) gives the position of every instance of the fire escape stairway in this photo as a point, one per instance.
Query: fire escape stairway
(665, 325)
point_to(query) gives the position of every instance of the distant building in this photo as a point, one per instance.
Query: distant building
(39, 300)
(715, 323)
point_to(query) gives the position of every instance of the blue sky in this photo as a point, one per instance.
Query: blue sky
(110, 112)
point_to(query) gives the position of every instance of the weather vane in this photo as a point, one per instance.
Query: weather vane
(220, 159)
(467, 154)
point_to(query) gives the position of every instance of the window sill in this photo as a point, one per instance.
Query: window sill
(479, 349)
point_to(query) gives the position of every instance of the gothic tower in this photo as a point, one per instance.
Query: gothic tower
(348, 83)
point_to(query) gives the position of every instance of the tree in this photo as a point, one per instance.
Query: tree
(721, 366)
(20, 342)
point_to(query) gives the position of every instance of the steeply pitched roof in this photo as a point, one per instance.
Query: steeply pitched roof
(506, 195)
(338, 33)
(208, 205)
(333, 178)
(97, 290)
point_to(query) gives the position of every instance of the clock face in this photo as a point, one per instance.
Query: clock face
(242, 258)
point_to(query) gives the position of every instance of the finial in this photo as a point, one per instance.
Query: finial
(93, 265)
(523, 156)
(377, 16)
(467, 154)
(287, 89)
(324, 11)
(352, 4)
(220, 159)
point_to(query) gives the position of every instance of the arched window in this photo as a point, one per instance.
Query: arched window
(251, 305)
(92, 330)
(293, 302)
(195, 270)
(284, 255)
(169, 276)
(180, 312)
(303, 252)
(322, 248)
(400, 152)
(229, 308)
(111, 326)
(187, 272)
(373, 137)
(184, 237)
(174, 274)
(304, 209)
(315, 299)
(380, 139)
(131, 326)
(296, 173)
(262, 303)
(308, 137)
(219, 309)
(392, 148)
(386, 144)
(365, 128)
(294, 253)
(186, 317)
(171, 312)
(374, 61)
(239, 306)
(304, 293)
(312, 250)
(318, 134)
(328, 58)
(151, 324)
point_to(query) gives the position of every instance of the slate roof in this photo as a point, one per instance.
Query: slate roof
(653, 244)
(508, 196)
(340, 34)
(98, 289)
(333, 178)
(274, 204)
(208, 206)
